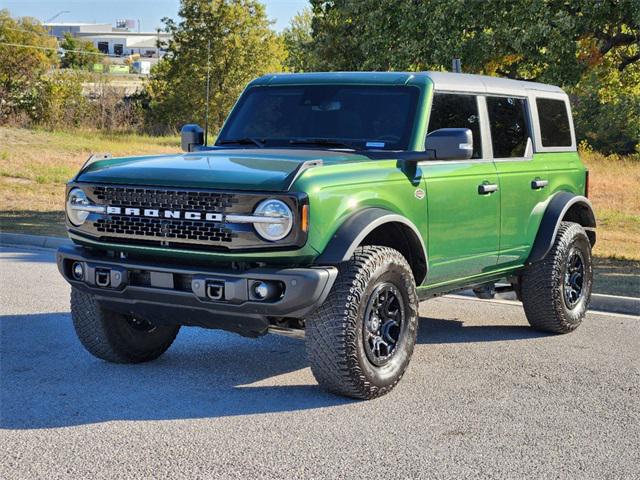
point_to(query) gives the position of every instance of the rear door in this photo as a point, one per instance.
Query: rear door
(523, 181)
(463, 199)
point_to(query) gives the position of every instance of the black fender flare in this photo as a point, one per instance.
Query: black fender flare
(561, 203)
(356, 228)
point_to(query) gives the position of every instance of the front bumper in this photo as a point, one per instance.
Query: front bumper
(207, 297)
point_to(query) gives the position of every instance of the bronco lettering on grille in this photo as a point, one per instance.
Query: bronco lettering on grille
(160, 213)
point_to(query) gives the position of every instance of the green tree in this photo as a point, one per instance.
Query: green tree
(591, 48)
(78, 53)
(27, 52)
(548, 40)
(298, 41)
(243, 46)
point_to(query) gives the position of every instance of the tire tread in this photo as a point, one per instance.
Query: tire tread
(331, 330)
(541, 288)
(94, 327)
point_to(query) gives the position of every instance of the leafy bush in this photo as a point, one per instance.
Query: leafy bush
(78, 53)
(59, 102)
(22, 67)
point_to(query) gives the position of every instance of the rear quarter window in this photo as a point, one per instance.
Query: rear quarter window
(554, 123)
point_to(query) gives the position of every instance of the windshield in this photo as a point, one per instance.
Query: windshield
(325, 116)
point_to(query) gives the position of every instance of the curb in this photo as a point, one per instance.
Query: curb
(599, 302)
(39, 241)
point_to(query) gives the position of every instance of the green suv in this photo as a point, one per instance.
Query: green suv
(328, 207)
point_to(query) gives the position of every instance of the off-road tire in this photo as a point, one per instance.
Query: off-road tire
(334, 332)
(542, 287)
(110, 336)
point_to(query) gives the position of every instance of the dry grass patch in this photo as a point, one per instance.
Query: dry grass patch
(36, 164)
(615, 195)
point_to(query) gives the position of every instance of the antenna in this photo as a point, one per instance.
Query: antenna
(206, 111)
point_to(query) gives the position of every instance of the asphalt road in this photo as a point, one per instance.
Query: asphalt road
(484, 397)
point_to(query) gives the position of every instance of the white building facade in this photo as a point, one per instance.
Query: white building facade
(113, 41)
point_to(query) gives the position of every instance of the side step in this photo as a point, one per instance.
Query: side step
(489, 290)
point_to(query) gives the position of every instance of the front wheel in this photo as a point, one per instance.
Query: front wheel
(115, 337)
(360, 340)
(556, 290)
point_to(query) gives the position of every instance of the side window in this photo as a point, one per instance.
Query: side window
(450, 110)
(509, 132)
(554, 123)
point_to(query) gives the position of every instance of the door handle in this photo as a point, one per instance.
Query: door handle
(487, 188)
(539, 184)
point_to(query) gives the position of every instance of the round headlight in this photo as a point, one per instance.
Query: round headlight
(77, 198)
(277, 222)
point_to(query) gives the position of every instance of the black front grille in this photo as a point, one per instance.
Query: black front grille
(164, 229)
(175, 230)
(163, 198)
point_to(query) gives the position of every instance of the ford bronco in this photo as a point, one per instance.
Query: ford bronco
(328, 207)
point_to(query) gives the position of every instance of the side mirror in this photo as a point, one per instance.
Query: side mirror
(450, 144)
(192, 137)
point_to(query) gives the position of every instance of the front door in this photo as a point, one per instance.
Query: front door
(463, 198)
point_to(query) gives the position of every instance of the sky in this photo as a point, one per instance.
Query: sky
(149, 12)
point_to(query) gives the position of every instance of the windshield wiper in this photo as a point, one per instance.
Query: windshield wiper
(321, 141)
(242, 141)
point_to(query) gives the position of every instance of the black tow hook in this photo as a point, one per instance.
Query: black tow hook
(103, 277)
(215, 289)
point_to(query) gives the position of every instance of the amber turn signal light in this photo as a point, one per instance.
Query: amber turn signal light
(304, 221)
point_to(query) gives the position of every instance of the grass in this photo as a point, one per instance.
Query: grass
(35, 165)
(615, 193)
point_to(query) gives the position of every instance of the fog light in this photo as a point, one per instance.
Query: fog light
(77, 270)
(261, 290)
(266, 290)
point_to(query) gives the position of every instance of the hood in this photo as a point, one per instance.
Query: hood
(226, 169)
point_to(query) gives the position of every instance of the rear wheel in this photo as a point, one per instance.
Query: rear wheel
(115, 337)
(556, 291)
(360, 341)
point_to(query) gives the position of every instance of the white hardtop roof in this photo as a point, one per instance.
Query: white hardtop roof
(486, 84)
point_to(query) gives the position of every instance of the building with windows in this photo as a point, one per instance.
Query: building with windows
(119, 40)
(127, 43)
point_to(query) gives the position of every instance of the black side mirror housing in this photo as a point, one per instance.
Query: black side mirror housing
(450, 144)
(192, 137)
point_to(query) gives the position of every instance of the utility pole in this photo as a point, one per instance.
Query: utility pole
(206, 112)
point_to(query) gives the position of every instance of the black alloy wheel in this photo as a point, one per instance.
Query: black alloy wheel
(383, 321)
(573, 279)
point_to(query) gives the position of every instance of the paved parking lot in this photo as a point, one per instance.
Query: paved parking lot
(484, 397)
